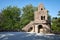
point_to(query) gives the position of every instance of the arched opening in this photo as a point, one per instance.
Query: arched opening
(31, 28)
(42, 17)
(39, 27)
(41, 8)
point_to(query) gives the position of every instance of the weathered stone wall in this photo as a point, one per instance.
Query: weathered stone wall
(39, 13)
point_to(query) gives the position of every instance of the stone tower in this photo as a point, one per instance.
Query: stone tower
(41, 24)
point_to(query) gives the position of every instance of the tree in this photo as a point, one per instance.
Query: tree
(11, 16)
(1, 20)
(28, 15)
(56, 23)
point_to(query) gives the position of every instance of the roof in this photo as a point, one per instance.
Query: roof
(28, 26)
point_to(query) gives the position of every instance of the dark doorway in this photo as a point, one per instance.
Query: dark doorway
(39, 27)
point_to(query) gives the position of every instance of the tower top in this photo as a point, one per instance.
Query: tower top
(41, 7)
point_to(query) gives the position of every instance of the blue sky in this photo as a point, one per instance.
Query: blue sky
(52, 5)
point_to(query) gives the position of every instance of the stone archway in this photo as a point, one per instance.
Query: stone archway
(40, 28)
(31, 28)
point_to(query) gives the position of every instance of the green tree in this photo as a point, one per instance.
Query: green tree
(1, 20)
(27, 15)
(11, 16)
(54, 20)
(56, 23)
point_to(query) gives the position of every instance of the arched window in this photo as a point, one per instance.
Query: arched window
(31, 28)
(41, 8)
(42, 17)
(40, 26)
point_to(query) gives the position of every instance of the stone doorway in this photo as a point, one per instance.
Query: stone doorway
(40, 28)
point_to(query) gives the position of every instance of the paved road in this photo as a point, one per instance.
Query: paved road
(27, 36)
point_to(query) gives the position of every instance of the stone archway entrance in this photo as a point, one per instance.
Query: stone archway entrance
(31, 28)
(40, 28)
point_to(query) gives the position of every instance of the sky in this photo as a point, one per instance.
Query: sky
(53, 6)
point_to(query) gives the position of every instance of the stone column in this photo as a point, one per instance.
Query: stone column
(36, 28)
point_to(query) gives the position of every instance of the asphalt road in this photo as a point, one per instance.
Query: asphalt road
(27, 36)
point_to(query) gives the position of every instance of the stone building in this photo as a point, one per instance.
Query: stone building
(41, 24)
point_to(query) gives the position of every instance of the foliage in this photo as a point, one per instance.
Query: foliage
(11, 18)
(1, 20)
(28, 15)
(56, 23)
